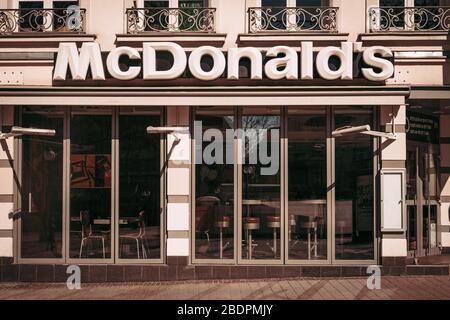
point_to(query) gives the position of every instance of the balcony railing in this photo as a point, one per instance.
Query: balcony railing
(140, 20)
(384, 19)
(296, 19)
(42, 20)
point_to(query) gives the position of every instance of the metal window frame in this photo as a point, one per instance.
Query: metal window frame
(331, 202)
(114, 235)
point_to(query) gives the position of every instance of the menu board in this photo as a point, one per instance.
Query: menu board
(421, 127)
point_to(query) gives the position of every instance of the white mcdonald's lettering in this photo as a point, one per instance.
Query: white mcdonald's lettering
(283, 62)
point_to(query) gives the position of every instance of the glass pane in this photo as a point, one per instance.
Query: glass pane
(307, 174)
(354, 187)
(273, 3)
(412, 228)
(426, 3)
(42, 171)
(273, 14)
(192, 3)
(156, 4)
(309, 3)
(429, 224)
(392, 14)
(61, 15)
(411, 172)
(261, 211)
(214, 184)
(156, 15)
(90, 183)
(139, 186)
(31, 17)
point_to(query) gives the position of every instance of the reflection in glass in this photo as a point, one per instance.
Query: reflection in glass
(412, 228)
(261, 211)
(214, 188)
(429, 226)
(354, 187)
(90, 183)
(307, 176)
(42, 169)
(139, 186)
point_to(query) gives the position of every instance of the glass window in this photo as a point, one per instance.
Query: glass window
(90, 183)
(307, 186)
(31, 18)
(214, 185)
(426, 3)
(412, 228)
(139, 185)
(156, 15)
(61, 15)
(411, 174)
(42, 172)
(354, 174)
(429, 226)
(273, 14)
(309, 3)
(261, 181)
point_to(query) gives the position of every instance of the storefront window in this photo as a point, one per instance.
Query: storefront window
(214, 185)
(261, 185)
(139, 185)
(90, 183)
(354, 208)
(41, 194)
(307, 186)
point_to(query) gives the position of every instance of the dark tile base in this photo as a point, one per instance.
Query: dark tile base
(181, 272)
(394, 261)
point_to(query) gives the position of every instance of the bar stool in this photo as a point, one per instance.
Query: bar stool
(223, 223)
(274, 222)
(292, 224)
(250, 224)
(311, 226)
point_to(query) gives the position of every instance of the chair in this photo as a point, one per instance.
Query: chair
(274, 222)
(203, 216)
(311, 226)
(139, 237)
(87, 234)
(223, 223)
(250, 224)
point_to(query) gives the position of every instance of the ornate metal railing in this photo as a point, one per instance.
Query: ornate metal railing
(296, 19)
(42, 20)
(142, 20)
(382, 19)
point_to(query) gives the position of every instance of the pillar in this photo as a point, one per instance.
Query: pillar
(6, 185)
(178, 187)
(393, 157)
(445, 182)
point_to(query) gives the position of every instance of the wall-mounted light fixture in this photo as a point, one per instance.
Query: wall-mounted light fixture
(176, 131)
(19, 131)
(344, 131)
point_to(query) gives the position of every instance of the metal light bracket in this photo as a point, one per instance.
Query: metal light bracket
(176, 131)
(19, 131)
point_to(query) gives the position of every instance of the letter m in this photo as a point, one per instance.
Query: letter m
(89, 55)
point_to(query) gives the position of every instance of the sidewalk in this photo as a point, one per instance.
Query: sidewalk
(392, 288)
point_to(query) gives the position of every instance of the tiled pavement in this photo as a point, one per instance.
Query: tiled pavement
(392, 288)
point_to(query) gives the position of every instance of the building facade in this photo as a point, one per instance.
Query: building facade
(183, 139)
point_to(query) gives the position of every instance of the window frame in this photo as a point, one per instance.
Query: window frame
(284, 236)
(115, 196)
(376, 24)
